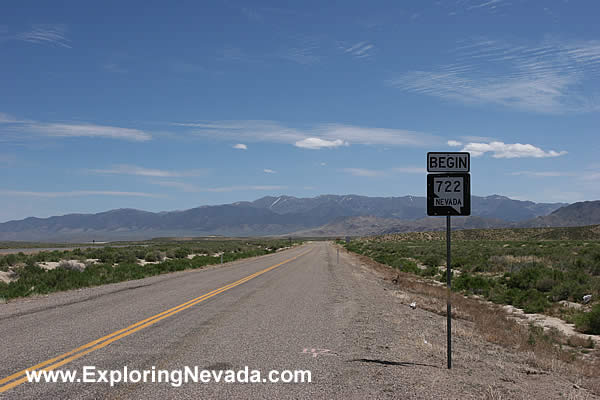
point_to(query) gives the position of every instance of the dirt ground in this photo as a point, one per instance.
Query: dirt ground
(489, 360)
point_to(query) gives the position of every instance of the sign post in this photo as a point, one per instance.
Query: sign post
(448, 193)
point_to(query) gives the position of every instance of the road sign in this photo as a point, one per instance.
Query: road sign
(448, 162)
(448, 194)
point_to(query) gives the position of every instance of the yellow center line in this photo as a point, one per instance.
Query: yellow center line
(113, 337)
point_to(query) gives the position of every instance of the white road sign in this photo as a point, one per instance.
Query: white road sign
(448, 162)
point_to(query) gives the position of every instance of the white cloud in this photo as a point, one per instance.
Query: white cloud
(245, 188)
(8, 119)
(364, 172)
(88, 130)
(7, 159)
(590, 176)
(330, 135)
(454, 143)
(188, 187)
(548, 78)
(125, 169)
(240, 146)
(486, 4)
(77, 193)
(548, 174)
(318, 143)
(45, 34)
(410, 170)
(377, 136)
(269, 171)
(114, 67)
(183, 186)
(304, 52)
(514, 150)
(74, 130)
(359, 50)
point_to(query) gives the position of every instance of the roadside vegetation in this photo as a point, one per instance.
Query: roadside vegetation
(51, 271)
(538, 276)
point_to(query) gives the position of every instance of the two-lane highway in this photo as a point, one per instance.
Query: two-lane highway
(297, 310)
(284, 311)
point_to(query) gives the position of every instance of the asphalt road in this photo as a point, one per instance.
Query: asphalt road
(294, 310)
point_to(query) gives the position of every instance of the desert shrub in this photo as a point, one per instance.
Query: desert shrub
(531, 301)
(405, 266)
(545, 284)
(433, 260)
(589, 322)
(152, 256)
(182, 252)
(475, 284)
(127, 258)
(10, 259)
(70, 265)
(429, 271)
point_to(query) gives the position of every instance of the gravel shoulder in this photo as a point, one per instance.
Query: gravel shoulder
(408, 347)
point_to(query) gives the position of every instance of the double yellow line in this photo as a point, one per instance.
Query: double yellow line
(20, 377)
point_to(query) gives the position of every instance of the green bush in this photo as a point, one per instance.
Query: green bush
(433, 260)
(589, 322)
(153, 256)
(532, 301)
(475, 284)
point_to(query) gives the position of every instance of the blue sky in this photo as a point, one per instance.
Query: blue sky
(171, 105)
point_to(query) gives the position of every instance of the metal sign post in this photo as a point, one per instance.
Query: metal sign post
(448, 289)
(448, 193)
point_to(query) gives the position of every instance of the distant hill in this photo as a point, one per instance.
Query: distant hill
(576, 214)
(591, 232)
(369, 226)
(272, 216)
(406, 207)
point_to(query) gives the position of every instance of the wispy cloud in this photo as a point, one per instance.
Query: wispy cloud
(125, 169)
(240, 146)
(194, 188)
(371, 173)
(547, 78)
(454, 143)
(252, 14)
(301, 55)
(46, 34)
(88, 130)
(315, 137)
(77, 193)
(359, 50)
(269, 171)
(304, 51)
(364, 172)
(318, 143)
(582, 176)
(115, 68)
(510, 150)
(492, 4)
(591, 176)
(230, 53)
(7, 159)
(245, 188)
(74, 129)
(544, 174)
(9, 119)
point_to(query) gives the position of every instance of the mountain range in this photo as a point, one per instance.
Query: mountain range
(326, 215)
